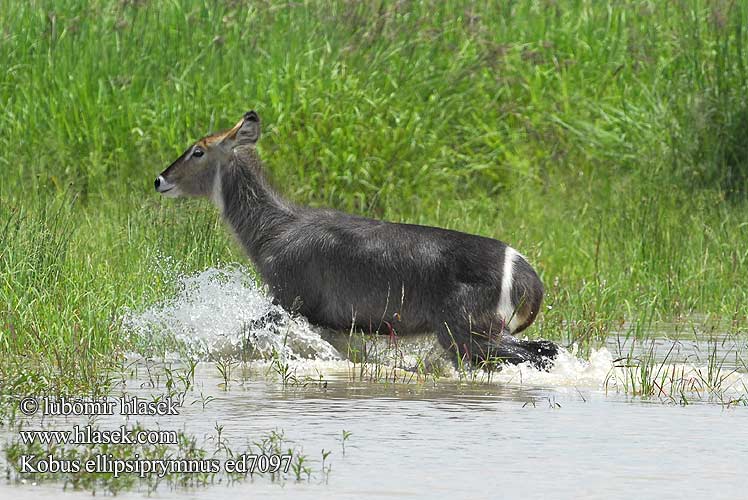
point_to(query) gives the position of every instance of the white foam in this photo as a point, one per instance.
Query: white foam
(666, 380)
(213, 311)
(568, 370)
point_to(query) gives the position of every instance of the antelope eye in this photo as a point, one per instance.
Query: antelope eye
(197, 153)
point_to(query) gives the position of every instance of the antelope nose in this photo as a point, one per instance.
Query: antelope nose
(163, 186)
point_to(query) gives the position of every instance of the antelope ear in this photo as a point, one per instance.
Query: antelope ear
(249, 130)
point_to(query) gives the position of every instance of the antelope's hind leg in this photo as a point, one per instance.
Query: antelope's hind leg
(540, 353)
(490, 351)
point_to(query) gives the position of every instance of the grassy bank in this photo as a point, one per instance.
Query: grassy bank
(608, 144)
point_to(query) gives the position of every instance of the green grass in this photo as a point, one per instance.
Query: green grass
(606, 143)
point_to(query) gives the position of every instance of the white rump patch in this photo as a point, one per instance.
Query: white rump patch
(506, 308)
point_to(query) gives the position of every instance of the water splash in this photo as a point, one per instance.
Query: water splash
(568, 370)
(222, 311)
(678, 381)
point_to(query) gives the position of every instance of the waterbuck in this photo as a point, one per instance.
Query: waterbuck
(341, 270)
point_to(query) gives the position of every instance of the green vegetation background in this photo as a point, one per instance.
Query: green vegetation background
(605, 140)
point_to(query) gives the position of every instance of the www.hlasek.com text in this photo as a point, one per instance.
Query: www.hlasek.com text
(91, 435)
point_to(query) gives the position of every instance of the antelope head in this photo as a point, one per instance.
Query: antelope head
(196, 171)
